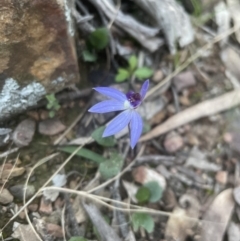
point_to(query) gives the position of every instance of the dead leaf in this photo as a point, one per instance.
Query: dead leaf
(7, 169)
(178, 227)
(198, 159)
(219, 213)
(131, 190)
(172, 18)
(234, 7)
(222, 17)
(231, 60)
(203, 109)
(23, 232)
(233, 232)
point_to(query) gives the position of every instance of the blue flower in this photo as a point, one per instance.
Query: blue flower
(126, 103)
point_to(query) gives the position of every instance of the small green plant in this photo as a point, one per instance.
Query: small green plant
(143, 220)
(150, 192)
(132, 71)
(96, 41)
(52, 105)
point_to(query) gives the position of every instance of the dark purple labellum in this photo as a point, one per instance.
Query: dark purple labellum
(134, 98)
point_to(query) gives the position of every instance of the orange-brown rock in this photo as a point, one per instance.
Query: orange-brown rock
(37, 51)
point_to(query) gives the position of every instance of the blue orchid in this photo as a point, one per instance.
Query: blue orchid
(128, 103)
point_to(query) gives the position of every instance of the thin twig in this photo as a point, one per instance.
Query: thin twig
(120, 174)
(5, 154)
(191, 59)
(79, 117)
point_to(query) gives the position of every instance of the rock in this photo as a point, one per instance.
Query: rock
(158, 76)
(24, 132)
(184, 80)
(144, 174)
(37, 52)
(54, 230)
(221, 177)
(33, 207)
(236, 194)
(18, 190)
(51, 127)
(173, 142)
(45, 206)
(5, 197)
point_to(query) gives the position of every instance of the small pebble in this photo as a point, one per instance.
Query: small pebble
(24, 132)
(158, 76)
(184, 80)
(17, 191)
(51, 127)
(221, 177)
(5, 197)
(173, 142)
(45, 206)
(54, 230)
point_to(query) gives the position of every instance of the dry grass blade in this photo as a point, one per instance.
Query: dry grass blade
(79, 117)
(198, 54)
(130, 208)
(206, 108)
(9, 175)
(120, 174)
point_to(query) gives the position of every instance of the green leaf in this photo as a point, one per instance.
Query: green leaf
(57, 106)
(143, 220)
(77, 239)
(89, 56)
(143, 194)
(84, 153)
(143, 73)
(51, 113)
(99, 38)
(132, 62)
(49, 106)
(122, 75)
(50, 97)
(104, 141)
(111, 167)
(155, 191)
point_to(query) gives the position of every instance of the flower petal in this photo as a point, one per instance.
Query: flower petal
(107, 106)
(112, 93)
(144, 89)
(118, 123)
(136, 126)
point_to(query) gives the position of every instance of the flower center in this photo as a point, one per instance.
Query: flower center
(134, 99)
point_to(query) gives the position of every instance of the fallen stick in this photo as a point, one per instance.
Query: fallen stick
(203, 109)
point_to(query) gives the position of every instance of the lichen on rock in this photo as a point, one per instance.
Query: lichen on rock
(15, 99)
